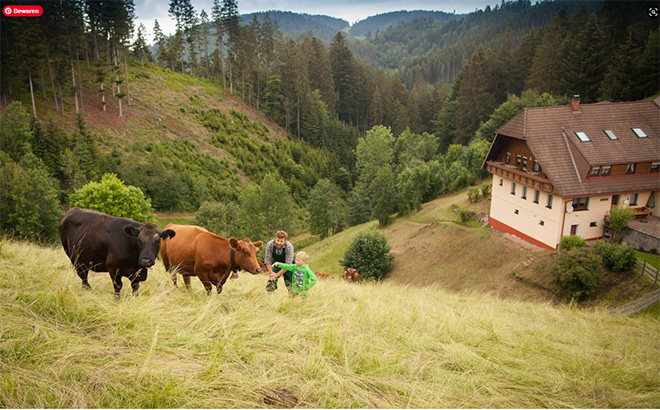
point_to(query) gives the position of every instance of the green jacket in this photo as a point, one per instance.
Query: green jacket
(303, 277)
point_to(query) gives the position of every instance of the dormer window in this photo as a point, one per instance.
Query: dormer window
(610, 134)
(537, 166)
(582, 136)
(630, 168)
(655, 166)
(639, 132)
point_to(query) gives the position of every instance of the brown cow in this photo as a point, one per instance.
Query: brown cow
(198, 252)
(350, 275)
(323, 275)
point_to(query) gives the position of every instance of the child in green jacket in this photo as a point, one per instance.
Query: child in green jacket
(303, 277)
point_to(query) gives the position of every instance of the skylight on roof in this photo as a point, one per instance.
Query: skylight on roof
(639, 132)
(610, 134)
(582, 136)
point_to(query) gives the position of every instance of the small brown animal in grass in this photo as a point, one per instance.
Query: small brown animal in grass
(323, 275)
(350, 275)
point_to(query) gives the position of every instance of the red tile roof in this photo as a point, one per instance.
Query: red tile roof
(550, 134)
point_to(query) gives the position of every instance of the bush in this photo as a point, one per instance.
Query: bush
(618, 220)
(654, 251)
(29, 206)
(112, 197)
(486, 189)
(369, 255)
(462, 212)
(473, 194)
(577, 272)
(617, 257)
(219, 218)
(572, 241)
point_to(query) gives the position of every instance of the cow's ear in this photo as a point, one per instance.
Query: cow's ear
(167, 234)
(258, 244)
(130, 230)
(233, 242)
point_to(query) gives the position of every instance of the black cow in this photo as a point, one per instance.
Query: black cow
(102, 243)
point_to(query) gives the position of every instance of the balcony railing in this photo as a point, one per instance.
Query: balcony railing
(534, 180)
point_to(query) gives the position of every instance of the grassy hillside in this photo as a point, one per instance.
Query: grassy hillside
(344, 346)
(433, 248)
(184, 140)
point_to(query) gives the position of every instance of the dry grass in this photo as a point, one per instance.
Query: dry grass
(346, 345)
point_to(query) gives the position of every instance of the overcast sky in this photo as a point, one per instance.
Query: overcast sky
(350, 10)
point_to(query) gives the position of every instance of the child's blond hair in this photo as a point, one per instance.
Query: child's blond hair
(303, 255)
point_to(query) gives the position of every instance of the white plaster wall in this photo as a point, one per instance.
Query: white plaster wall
(529, 215)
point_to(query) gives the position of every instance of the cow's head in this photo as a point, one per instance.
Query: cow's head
(245, 254)
(350, 274)
(148, 237)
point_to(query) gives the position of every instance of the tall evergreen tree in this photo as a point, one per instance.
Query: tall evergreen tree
(230, 23)
(344, 73)
(476, 97)
(586, 60)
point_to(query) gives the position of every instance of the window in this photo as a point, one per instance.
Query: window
(581, 204)
(524, 192)
(541, 222)
(501, 182)
(630, 168)
(582, 136)
(639, 132)
(518, 161)
(515, 211)
(634, 198)
(605, 170)
(610, 134)
(508, 158)
(593, 224)
(537, 196)
(595, 172)
(524, 164)
(537, 166)
(513, 188)
(548, 203)
(655, 166)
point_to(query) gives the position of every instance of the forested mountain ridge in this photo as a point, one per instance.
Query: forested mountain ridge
(299, 25)
(380, 22)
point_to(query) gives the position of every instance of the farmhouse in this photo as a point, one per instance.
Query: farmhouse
(561, 170)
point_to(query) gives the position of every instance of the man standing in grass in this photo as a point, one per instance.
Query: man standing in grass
(303, 277)
(278, 250)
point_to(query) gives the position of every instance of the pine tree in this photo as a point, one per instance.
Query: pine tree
(140, 48)
(586, 60)
(344, 73)
(476, 95)
(230, 24)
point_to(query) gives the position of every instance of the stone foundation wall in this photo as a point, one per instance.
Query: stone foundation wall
(642, 239)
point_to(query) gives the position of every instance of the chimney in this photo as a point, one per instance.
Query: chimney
(575, 104)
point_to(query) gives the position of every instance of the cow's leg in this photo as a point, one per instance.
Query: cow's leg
(82, 272)
(140, 276)
(174, 277)
(186, 280)
(221, 279)
(116, 282)
(204, 277)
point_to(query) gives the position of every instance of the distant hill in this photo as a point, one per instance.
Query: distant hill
(298, 25)
(380, 22)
